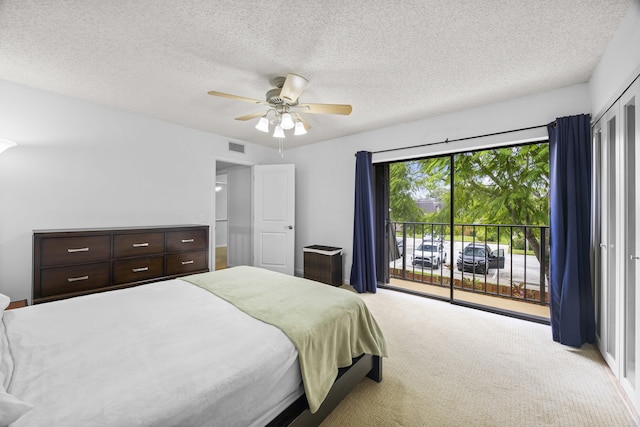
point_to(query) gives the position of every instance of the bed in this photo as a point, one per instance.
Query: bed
(198, 350)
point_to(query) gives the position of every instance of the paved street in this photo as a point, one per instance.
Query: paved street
(515, 266)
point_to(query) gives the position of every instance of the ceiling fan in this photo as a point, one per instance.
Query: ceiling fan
(283, 108)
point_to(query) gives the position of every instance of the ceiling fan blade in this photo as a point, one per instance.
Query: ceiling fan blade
(236, 97)
(251, 116)
(343, 109)
(306, 124)
(292, 88)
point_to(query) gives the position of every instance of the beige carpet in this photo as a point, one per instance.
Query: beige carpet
(455, 366)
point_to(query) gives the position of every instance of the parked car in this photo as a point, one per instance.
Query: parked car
(478, 258)
(429, 254)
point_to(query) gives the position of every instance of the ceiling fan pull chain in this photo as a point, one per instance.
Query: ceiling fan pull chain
(281, 147)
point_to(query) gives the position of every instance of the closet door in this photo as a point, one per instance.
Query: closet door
(630, 259)
(598, 253)
(607, 132)
(616, 231)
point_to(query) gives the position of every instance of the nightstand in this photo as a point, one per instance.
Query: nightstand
(17, 304)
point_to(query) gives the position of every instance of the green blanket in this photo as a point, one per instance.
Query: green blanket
(328, 326)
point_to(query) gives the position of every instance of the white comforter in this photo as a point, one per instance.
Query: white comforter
(164, 354)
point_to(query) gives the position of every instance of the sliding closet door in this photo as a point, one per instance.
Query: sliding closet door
(630, 117)
(597, 249)
(608, 129)
(617, 231)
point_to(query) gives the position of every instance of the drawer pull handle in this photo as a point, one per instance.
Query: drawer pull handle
(73, 250)
(139, 270)
(187, 240)
(187, 262)
(141, 245)
(76, 279)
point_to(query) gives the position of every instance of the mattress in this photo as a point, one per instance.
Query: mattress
(167, 353)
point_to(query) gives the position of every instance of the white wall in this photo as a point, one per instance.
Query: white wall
(83, 165)
(619, 64)
(325, 173)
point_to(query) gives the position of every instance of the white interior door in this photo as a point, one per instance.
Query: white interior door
(274, 217)
(630, 116)
(609, 248)
(598, 266)
(617, 229)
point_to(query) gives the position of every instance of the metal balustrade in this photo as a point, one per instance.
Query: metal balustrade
(491, 259)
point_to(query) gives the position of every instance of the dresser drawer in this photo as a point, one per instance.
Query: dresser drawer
(64, 280)
(137, 269)
(186, 262)
(74, 250)
(186, 240)
(130, 245)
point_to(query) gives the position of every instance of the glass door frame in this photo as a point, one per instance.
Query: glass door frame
(382, 218)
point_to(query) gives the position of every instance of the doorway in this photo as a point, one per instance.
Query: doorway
(233, 215)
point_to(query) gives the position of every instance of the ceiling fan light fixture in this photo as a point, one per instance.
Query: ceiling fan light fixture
(278, 132)
(300, 130)
(286, 121)
(263, 125)
(284, 107)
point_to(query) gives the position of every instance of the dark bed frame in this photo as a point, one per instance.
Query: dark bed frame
(298, 413)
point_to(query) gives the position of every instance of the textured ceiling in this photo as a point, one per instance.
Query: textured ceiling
(394, 61)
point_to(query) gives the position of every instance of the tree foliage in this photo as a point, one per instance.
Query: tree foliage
(497, 186)
(403, 182)
(502, 186)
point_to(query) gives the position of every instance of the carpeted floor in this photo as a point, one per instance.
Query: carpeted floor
(455, 366)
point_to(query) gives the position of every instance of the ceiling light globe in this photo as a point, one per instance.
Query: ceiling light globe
(278, 132)
(263, 125)
(300, 130)
(287, 121)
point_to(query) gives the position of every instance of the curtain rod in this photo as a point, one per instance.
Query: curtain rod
(446, 141)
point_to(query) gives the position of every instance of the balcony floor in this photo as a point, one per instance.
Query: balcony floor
(474, 298)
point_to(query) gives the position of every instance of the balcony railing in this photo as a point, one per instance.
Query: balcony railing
(496, 260)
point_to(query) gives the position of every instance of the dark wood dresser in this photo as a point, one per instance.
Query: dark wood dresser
(72, 262)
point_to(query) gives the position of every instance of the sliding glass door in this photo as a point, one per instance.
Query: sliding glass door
(420, 214)
(501, 216)
(472, 227)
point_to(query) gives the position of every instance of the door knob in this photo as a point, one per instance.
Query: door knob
(290, 227)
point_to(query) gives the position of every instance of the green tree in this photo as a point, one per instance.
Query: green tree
(402, 187)
(435, 179)
(497, 186)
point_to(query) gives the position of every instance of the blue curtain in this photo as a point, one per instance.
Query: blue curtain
(363, 268)
(571, 299)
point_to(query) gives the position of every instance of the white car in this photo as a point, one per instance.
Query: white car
(429, 254)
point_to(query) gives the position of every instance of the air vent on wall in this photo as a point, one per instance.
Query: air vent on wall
(238, 148)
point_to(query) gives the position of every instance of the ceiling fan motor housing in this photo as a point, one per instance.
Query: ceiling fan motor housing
(273, 97)
(279, 81)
